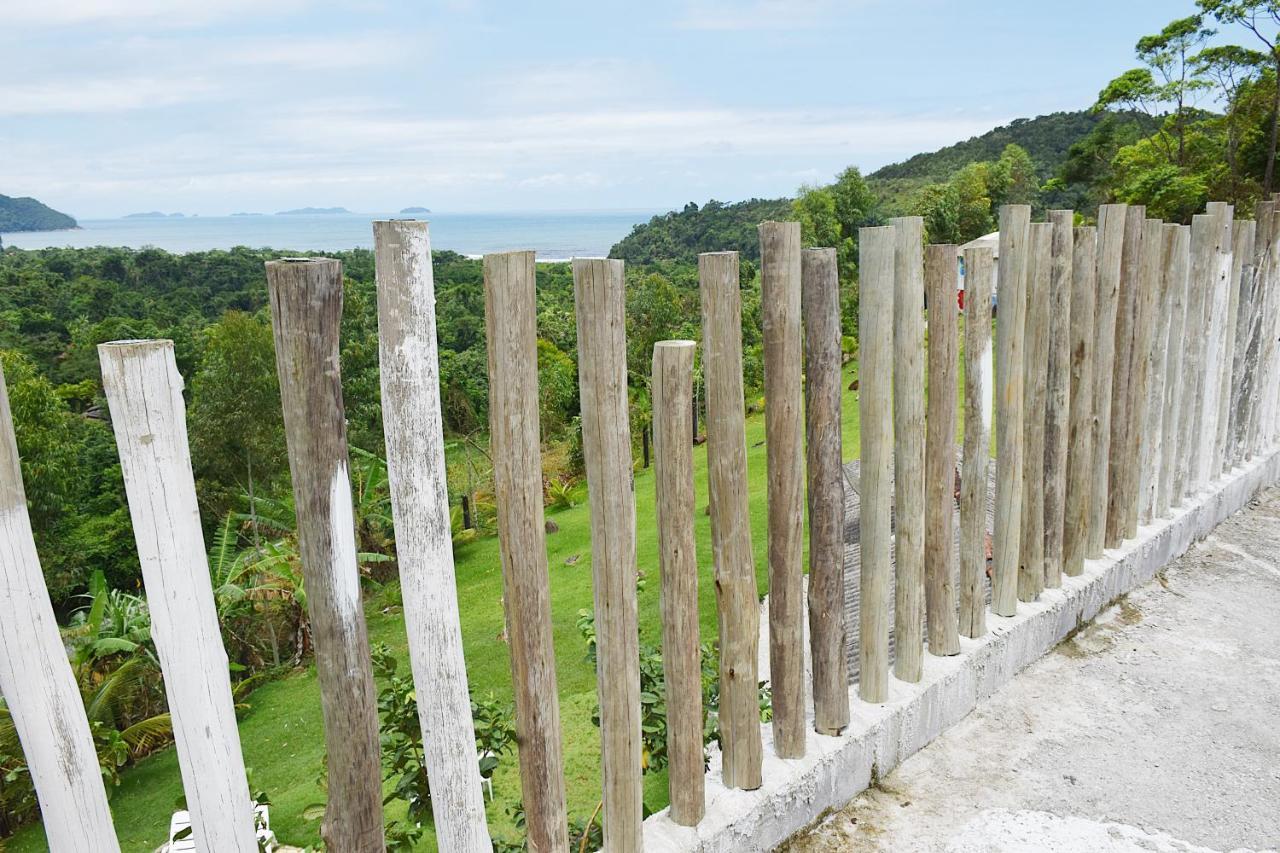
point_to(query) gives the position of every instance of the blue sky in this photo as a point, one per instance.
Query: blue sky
(218, 106)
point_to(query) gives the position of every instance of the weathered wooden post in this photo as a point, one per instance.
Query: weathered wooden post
(1151, 430)
(144, 392)
(510, 313)
(414, 431)
(600, 302)
(1215, 324)
(941, 282)
(306, 312)
(1084, 291)
(1242, 237)
(1111, 231)
(1015, 234)
(1265, 259)
(820, 305)
(672, 389)
(908, 448)
(1177, 268)
(1244, 251)
(736, 600)
(1138, 440)
(784, 431)
(876, 248)
(36, 679)
(1120, 491)
(1057, 393)
(979, 267)
(1199, 295)
(1035, 384)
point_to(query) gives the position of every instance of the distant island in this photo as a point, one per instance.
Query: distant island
(27, 214)
(312, 211)
(154, 214)
(415, 210)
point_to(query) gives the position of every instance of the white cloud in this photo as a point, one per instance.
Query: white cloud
(159, 13)
(324, 53)
(102, 95)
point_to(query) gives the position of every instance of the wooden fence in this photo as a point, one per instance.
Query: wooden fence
(1136, 362)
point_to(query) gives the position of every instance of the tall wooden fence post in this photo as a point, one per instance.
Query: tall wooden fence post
(823, 391)
(600, 302)
(1152, 433)
(1119, 490)
(739, 608)
(1111, 239)
(1084, 292)
(1138, 437)
(306, 312)
(1242, 236)
(1177, 268)
(1204, 232)
(144, 393)
(1243, 254)
(1215, 324)
(941, 282)
(1058, 393)
(784, 431)
(510, 313)
(908, 448)
(1265, 258)
(672, 386)
(979, 269)
(1015, 234)
(1035, 385)
(414, 430)
(876, 249)
(36, 679)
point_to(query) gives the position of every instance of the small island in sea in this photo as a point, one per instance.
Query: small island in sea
(27, 214)
(312, 211)
(415, 210)
(153, 214)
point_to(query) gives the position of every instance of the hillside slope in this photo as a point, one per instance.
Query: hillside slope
(27, 214)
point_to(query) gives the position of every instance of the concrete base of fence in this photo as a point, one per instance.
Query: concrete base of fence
(797, 792)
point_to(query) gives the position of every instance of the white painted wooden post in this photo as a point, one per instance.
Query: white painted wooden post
(414, 432)
(144, 392)
(36, 679)
(1242, 236)
(1244, 254)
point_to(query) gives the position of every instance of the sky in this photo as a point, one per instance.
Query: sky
(221, 106)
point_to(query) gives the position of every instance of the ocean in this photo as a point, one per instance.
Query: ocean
(555, 235)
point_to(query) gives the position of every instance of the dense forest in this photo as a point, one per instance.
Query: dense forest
(27, 214)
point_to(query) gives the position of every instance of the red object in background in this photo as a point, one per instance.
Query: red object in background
(960, 298)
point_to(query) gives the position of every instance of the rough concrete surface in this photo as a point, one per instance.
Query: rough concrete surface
(1155, 728)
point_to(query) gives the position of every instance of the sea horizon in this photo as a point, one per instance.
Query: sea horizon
(554, 235)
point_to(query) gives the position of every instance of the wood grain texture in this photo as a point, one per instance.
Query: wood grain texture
(672, 389)
(1084, 294)
(784, 433)
(144, 394)
(823, 392)
(941, 283)
(1120, 488)
(1242, 276)
(1263, 412)
(1035, 382)
(1215, 322)
(1140, 442)
(1177, 269)
(600, 302)
(36, 679)
(736, 597)
(1151, 438)
(1242, 238)
(510, 313)
(1199, 294)
(979, 272)
(306, 312)
(876, 250)
(413, 428)
(1111, 238)
(1057, 393)
(1267, 215)
(1015, 233)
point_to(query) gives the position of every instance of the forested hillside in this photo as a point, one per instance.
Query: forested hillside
(715, 227)
(27, 214)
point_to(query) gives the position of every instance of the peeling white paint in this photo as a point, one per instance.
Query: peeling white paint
(342, 527)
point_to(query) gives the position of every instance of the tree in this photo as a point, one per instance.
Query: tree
(1012, 178)
(831, 216)
(1233, 67)
(959, 210)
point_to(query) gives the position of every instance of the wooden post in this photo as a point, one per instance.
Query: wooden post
(600, 301)
(979, 268)
(940, 275)
(1015, 234)
(1150, 448)
(1057, 394)
(36, 679)
(876, 249)
(1199, 295)
(306, 311)
(1138, 445)
(1242, 277)
(1263, 408)
(1084, 291)
(820, 304)
(1215, 319)
(1265, 258)
(1111, 239)
(672, 389)
(1177, 268)
(1120, 491)
(144, 392)
(784, 432)
(414, 431)
(908, 448)
(736, 599)
(1242, 236)
(1035, 384)
(510, 313)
